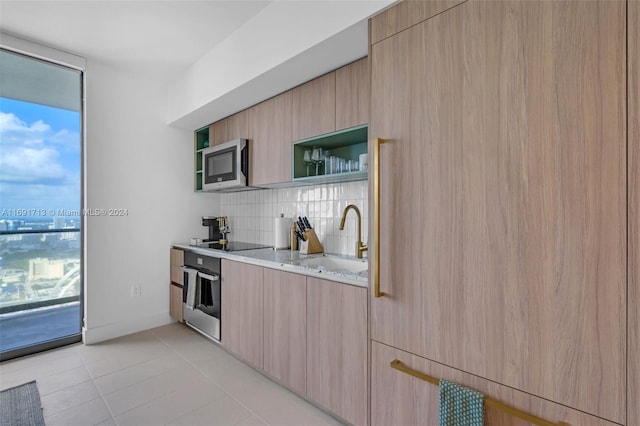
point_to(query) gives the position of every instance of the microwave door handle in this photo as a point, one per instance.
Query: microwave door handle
(215, 277)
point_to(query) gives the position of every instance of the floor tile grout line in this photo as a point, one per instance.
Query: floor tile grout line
(100, 392)
(216, 384)
(205, 376)
(113, 416)
(48, 375)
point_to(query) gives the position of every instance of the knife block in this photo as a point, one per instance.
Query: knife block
(312, 245)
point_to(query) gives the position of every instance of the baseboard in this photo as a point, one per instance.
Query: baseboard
(111, 331)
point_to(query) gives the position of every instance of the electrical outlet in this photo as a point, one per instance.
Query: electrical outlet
(136, 290)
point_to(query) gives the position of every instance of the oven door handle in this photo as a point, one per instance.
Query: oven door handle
(215, 277)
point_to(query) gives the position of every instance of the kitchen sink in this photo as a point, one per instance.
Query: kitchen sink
(336, 264)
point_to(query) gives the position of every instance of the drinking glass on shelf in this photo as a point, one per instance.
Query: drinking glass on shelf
(333, 161)
(342, 166)
(307, 159)
(325, 162)
(317, 157)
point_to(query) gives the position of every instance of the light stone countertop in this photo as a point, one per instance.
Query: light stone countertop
(288, 261)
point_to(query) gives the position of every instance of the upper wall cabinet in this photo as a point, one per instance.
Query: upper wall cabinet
(237, 126)
(218, 132)
(352, 94)
(314, 107)
(270, 146)
(311, 114)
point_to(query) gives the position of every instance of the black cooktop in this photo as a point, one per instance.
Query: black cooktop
(232, 246)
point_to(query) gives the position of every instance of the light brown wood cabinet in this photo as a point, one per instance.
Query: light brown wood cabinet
(175, 302)
(285, 328)
(175, 286)
(400, 399)
(218, 132)
(270, 146)
(352, 94)
(177, 262)
(404, 15)
(237, 126)
(335, 101)
(337, 348)
(633, 303)
(243, 311)
(314, 107)
(308, 334)
(504, 255)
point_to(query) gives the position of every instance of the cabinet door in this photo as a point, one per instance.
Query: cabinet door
(285, 328)
(633, 303)
(314, 107)
(400, 399)
(218, 132)
(337, 348)
(270, 147)
(404, 15)
(177, 261)
(504, 254)
(175, 302)
(237, 126)
(242, 310)
(352, 94)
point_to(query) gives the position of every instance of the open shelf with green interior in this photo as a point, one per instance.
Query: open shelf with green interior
(201, 141)
(345, 144)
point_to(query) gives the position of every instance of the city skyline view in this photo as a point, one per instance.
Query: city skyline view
(40, 161)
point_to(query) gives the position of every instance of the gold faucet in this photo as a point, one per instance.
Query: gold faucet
(359, 246)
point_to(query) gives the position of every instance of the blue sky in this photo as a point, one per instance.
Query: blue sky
(39, 156)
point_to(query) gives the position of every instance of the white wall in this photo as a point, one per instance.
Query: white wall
(134, 161)
(286, 44)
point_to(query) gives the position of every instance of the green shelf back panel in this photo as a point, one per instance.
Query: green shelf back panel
(347, 144)
(198, 161)
(198, 181)
(201, 139)
(202, 136)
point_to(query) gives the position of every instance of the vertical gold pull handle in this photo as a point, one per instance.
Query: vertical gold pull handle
(376, 216)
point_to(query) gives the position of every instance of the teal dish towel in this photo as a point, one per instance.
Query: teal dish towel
(460, 406)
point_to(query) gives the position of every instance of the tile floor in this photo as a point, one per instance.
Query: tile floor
(168, 375)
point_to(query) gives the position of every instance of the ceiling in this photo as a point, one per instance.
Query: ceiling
(157, 38)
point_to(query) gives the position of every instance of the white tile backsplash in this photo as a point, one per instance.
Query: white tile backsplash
(251, 213)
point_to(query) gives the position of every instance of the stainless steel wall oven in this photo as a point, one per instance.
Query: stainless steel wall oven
(201, 294)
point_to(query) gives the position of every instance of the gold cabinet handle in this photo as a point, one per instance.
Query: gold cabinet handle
(488, 402)
(376, 216)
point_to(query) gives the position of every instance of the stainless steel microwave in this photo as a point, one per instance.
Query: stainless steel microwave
(226, 166)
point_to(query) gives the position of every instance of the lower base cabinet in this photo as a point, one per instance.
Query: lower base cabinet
(308, 334)
(175, 286)
(337, 348)
(400, 399)
(175, 302)
(242, 311)
(285, 328)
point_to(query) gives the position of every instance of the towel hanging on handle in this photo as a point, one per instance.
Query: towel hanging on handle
(189, 287)
(460, 406)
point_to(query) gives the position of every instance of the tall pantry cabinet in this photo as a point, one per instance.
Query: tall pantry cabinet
(633, 97)
(503, 204)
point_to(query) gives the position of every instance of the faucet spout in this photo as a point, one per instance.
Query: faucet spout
(360, 248)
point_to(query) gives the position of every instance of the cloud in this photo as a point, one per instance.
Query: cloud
(29, 154)
(69, 140)
(15, 132)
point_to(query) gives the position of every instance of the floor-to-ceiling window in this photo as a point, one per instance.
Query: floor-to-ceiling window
(41, 213)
